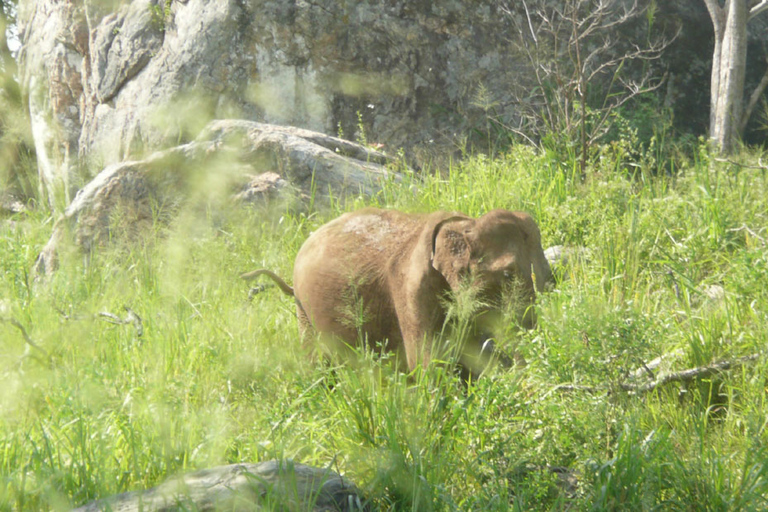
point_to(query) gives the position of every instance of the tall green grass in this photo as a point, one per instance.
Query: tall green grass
(216, 378)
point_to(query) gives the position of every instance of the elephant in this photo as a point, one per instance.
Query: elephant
(384, 276)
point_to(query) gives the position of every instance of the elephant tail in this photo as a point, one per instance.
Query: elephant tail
(284, 287)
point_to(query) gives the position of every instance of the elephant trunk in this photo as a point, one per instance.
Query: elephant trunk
(545, 280)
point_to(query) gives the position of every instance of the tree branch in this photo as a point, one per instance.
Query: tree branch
(632, 89)
(636, 54)
(629, 12)
(757, 9)
(717, 14)
(753, 99)
(517, 131)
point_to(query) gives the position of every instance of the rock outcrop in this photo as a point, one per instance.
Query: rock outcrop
(112, 81)
(272, 485)
(240, 161)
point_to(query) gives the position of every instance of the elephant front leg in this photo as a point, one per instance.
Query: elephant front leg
(418, 346)
(420, 326)
(418, 308)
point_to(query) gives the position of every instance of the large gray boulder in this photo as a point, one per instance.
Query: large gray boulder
(272, 485)
(232, 161)
(106, 86)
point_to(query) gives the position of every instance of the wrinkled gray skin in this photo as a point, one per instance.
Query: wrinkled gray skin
(383, 275)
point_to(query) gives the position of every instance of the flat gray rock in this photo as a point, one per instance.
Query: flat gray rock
(272, 485)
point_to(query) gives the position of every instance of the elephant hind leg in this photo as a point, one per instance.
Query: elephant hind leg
(317, 346)
(306, 331)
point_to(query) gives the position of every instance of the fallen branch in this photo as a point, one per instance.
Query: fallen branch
(690, 374)
(681, 376)
(740, 164)
(130, 318)
(647, 369)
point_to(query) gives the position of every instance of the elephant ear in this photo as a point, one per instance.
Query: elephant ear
(451, 249)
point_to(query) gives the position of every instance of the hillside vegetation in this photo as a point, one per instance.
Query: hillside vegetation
(676, 263)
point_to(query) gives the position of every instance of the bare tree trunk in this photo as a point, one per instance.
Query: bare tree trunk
(718, 20)
(727, 117)
(728, 69)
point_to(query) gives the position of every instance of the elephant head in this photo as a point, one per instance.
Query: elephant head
(499, 250)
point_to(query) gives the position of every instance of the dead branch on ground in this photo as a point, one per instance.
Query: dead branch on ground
(685, 376)
(690, 374)
(130, 318)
